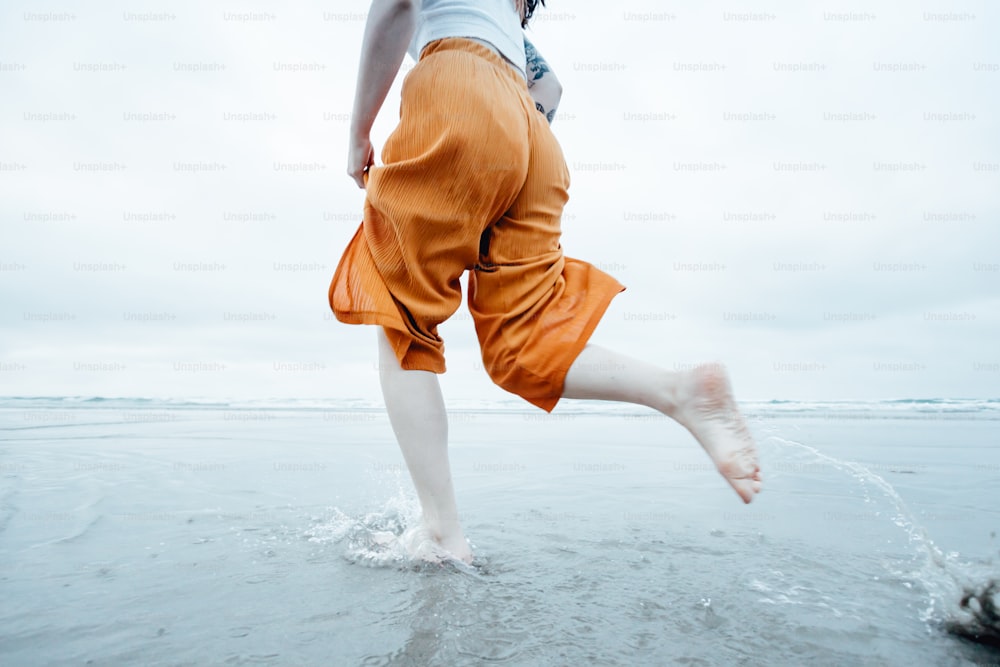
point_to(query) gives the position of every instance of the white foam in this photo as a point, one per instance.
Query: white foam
(391, 536)
(942, 575)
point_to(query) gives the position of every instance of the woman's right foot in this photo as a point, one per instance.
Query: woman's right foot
(704, 405)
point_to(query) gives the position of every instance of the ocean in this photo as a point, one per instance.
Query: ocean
(211, 532)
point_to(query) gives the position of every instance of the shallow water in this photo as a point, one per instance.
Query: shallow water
(182, 534)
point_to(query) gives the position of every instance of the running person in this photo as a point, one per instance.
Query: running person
(474, 180)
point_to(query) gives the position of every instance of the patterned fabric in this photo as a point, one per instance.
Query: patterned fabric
(472, 180)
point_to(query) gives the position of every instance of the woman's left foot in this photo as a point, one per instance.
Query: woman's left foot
(422, 543)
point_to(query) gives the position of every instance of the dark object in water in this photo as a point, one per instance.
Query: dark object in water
(984, 626)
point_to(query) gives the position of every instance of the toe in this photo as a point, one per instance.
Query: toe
(746, 489)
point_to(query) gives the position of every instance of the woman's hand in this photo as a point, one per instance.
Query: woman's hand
(360, 158)
(388, 32)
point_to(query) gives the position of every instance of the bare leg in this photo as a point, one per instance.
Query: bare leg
(416, 412)
(700, 400)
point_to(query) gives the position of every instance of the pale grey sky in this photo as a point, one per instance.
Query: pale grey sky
(808, 193)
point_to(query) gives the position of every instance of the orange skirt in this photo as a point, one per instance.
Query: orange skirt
(472, 180)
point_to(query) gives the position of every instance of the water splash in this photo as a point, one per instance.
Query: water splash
(955, 603)
(984, 625)
(393, 536)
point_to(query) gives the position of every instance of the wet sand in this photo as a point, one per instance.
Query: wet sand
(165, 534)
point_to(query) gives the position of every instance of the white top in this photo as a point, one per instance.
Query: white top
(493, 21)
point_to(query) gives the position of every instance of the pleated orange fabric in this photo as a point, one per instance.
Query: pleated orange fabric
(472, 180)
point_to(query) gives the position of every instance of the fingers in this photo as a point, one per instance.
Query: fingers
(360, 177)
(359, 162)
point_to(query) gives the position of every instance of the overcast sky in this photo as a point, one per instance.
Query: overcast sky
(808, 192)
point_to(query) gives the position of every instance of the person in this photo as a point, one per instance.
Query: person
(473, 180)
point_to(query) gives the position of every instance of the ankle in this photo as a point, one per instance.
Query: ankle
(669, 393)
(442, 528)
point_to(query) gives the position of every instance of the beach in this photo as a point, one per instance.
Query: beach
(186, 532)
